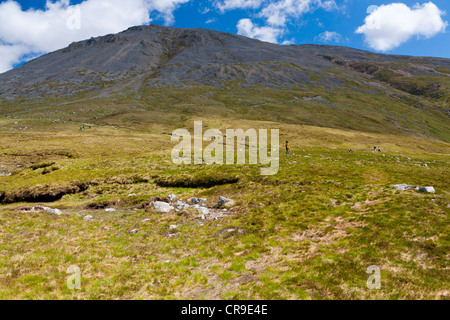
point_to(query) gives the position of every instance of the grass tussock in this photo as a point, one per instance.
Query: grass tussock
(43, 193)
(195, 181)
(42, 165)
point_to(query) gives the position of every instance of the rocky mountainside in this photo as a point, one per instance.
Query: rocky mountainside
(156, 56)
(151, 76)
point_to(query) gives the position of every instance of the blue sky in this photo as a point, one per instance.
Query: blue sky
(418, 28)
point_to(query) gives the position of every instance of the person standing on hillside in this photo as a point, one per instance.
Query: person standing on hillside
(286, 145)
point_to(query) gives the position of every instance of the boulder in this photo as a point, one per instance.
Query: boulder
(179, 203)
(427, 190)
(203, 210)
(403, 187)
(225, 202)
(162, 206)
(88, 218)
(47, 209)
(172, 197)
(196, 200)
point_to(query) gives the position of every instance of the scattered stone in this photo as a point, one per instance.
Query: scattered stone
(196, 200)
(47, 209)
(132, 195)
(403, 187)
(172, 197)
(427, 190)
(203, 210)
(173, 227)
(179, 203)
(162, 206)
(202, 217)
(225, 202)
(88, 218)
(134, 231)
(145, 220)
(110, 210)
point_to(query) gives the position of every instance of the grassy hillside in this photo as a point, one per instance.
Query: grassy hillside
(309, 232)
(86, 147)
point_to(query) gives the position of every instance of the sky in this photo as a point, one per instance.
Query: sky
(29, 29)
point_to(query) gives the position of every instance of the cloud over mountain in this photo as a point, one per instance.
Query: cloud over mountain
(388, 26)
(38, 31)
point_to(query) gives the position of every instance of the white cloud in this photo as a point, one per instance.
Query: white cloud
(288, 42)
(24, 33)
(329, 36)
(10, 55)
(237, 4)
(390, 25)
(165, 7)
(247, 28)
(278, 13)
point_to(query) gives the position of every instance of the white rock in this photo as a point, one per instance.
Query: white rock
(225, 202)
(88, 218)
(110, 210)
(172, 197)
(196, 200)
(162, 206)
(49, 210)
(134, 231)
(56, 211)
(145, 220)
(203, 210)
(428, 190)
(404, 186)
(173, 227)
(179, 203)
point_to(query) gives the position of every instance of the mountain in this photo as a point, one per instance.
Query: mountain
(324, 85)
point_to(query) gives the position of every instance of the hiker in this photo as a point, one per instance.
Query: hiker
(379, 149)
(350, 151)
(286, 145)
(375, 148)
